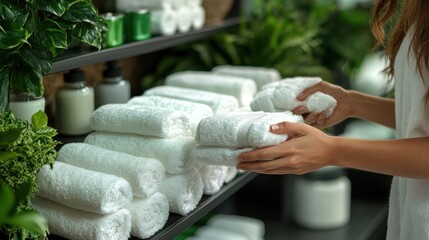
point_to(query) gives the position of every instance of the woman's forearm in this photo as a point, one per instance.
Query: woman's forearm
(374, 109)
(399, 157)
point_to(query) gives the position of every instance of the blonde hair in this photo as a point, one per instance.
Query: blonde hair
(412, 13)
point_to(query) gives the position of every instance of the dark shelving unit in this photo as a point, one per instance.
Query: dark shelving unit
(80, 58)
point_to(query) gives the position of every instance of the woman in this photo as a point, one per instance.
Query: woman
(406, 158)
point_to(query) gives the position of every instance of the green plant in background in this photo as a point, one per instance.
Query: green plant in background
(24, 149)
(34, 32)
(278, 35)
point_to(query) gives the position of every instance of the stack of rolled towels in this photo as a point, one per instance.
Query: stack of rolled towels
(222, 137)
(168, 16)
(161, 133)
(281, 96)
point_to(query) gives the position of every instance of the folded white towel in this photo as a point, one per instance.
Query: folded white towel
(213, 232)
(183, 191)
(142, 120)
(241, 88)
(145, 175)
(252, 228)
(84, 189)
(213, 177)
(259, 134)
(194, 111)
(217, 102)
(213, 155)
(163, 21)
(184, 19)
(231, 173)
(172, 152)
(129, 5)
(242, 129)
(148, 215)
(261, 75)
(283, 96)
(263, 101)
(193, 2)
(80, 225)
(198, 15)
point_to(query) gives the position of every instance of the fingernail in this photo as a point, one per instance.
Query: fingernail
(275, 127)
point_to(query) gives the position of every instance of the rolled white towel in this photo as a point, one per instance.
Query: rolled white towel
(241, 88)
(178, 3)
(194, 2)
(172, 152)
(198, 15)
(213, 155)
(184, 19)
(259, 134)
(127, 5)
(183, 191)
(80, 225)
(213, 232)
(231, 173)
(141, 120)
(284, 93)
(217, 102)
(145, 175)
(252, 228)
(263, 101)
(163, 21)
(148, 215)
(194, 111)
(213, 177)
(242, 129)
(226, 129)
(261, 75)
(83, 189)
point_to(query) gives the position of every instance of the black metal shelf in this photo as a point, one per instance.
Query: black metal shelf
(73, 60)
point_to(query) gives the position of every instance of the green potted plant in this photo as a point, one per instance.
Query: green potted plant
(34, 32)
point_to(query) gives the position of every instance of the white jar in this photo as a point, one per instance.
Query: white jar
(321, 200)
(113, 88)
(24, 105)
(74, 105)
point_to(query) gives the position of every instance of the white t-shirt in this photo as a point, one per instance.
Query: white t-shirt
(409, 198)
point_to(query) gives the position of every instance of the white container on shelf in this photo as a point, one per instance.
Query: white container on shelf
(24, 105)
(113, 88)
(321, 200)
(74, 105)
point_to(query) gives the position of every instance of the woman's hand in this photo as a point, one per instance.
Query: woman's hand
(319, 120)
(306, 150)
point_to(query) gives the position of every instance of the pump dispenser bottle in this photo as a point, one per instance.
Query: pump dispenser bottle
(74, 105)
(113, 88)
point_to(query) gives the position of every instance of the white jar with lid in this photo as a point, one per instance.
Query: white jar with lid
(321, 199)
(113, 88)
(24, 105)
(74, 105)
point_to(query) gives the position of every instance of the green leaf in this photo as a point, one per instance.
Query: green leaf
(6, 201)
(40, 59)
(10, 136)
(4, 89)
(87, 33)
(8, 10)
(81, 11)
(24, 78)
(32, 22)
(7, 155)
(22, 192)
(13, 38)
(57, 7)
(49, 36)
(30, 220)
(39, 120)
